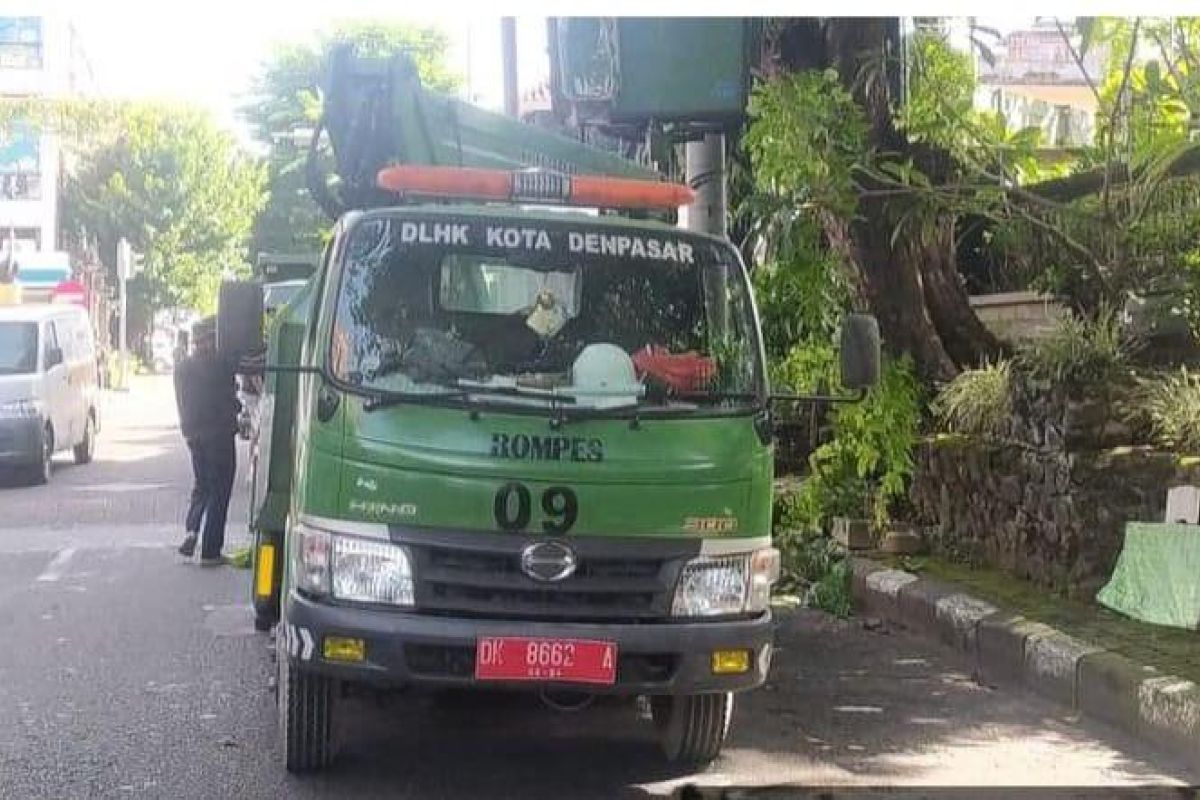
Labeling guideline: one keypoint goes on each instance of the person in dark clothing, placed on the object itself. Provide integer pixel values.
(206, 396)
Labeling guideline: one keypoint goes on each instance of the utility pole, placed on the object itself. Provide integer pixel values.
(706, 175)
(508, 54)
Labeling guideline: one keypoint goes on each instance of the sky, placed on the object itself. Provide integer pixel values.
(207, 52)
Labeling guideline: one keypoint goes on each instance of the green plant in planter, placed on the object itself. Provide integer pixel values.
(978, 402)
(1080, 351)
(1171, 405)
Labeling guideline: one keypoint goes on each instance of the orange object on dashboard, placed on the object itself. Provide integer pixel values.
(532, 185)
(682, 372)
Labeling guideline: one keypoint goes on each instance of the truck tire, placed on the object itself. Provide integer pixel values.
(692, 728)
(40, 473)
(306, 702)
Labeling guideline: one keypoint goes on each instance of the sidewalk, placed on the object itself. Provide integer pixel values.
(1010, 649)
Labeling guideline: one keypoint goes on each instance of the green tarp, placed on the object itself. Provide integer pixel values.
(1157, 578)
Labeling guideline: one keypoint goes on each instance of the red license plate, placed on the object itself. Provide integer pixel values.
(499, 658)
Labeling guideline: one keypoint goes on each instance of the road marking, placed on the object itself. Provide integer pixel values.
(858, 709)
(54, 570)
(114, 488)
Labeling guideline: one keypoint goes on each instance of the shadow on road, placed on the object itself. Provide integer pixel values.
(844, 706)
(476, 744)
(886, 705)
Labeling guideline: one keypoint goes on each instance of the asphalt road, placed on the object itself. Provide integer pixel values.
(127, 672)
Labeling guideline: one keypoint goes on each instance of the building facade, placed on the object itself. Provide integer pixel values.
(1035, 81)
(41, 56)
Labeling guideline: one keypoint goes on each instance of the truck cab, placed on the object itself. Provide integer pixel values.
(527, 450)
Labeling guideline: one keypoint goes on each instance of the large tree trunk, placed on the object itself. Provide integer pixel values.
(911, 281)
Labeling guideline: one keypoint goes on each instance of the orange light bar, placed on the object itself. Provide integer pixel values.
(533, 186)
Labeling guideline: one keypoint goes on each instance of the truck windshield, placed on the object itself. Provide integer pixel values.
(544, 313)
(18, 348)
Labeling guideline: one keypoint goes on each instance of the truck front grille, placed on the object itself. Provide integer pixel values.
(480, 576)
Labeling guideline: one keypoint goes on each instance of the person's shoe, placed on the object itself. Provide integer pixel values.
(188, 548)
(213, 561)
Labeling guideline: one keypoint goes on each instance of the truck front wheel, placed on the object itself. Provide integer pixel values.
(692, 728)
(306, 702)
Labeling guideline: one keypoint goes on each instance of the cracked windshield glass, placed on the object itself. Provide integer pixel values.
(599, 317)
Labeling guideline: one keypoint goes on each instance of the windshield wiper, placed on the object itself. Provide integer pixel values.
(377, 399)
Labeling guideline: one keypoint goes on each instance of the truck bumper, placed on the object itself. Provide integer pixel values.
(415, 649)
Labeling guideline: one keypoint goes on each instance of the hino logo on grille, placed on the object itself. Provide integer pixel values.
(548, 562)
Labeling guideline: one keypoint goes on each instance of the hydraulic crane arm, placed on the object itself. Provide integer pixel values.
(377, 114)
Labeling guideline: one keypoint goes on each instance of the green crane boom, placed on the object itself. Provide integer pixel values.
(377, 113)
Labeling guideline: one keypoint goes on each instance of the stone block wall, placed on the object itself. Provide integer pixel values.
(1046, 514)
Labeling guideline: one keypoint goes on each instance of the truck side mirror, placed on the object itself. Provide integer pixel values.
(240, 318)
(860, 351)
(54, 357)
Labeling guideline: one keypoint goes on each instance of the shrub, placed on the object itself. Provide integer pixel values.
(1191, 290)
(1079, 351)
(816, 570)
(1171, 405)
(867, 464)
(978, 402)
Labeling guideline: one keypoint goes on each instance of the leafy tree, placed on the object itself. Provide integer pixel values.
(178, 189)
(286, 98)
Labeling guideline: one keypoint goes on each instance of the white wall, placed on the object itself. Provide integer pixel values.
(53, 79)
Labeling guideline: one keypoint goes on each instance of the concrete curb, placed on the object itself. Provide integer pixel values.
(1006, 649)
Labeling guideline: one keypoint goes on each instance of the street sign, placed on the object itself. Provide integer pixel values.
(129, 261)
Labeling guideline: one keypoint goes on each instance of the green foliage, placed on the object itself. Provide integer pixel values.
(807, 368)
(285, 97)
(806, 136)
(1163, 86)
(879, 433)
(866, 466)
(817, 570)
(1079, 351)
(178, 188)
(801, 291)
(977, 402)
(941, 92)
(814, 566)
(940, 110)
(1171, 403)
(860, 473)
(1191, 289)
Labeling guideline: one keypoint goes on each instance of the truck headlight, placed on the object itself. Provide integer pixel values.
(350, 567)
(371, 572)
(20, 409)
(713, 586)
(310, 558)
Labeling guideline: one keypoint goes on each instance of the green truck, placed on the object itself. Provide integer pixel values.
(517, 432)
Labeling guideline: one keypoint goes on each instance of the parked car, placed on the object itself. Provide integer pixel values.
(48, 387)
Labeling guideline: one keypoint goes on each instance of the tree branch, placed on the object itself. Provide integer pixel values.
(1083, 184)
(1166, 57)
(1110, 150)
(1078, 58)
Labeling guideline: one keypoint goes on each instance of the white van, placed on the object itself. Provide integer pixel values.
(48, 387)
